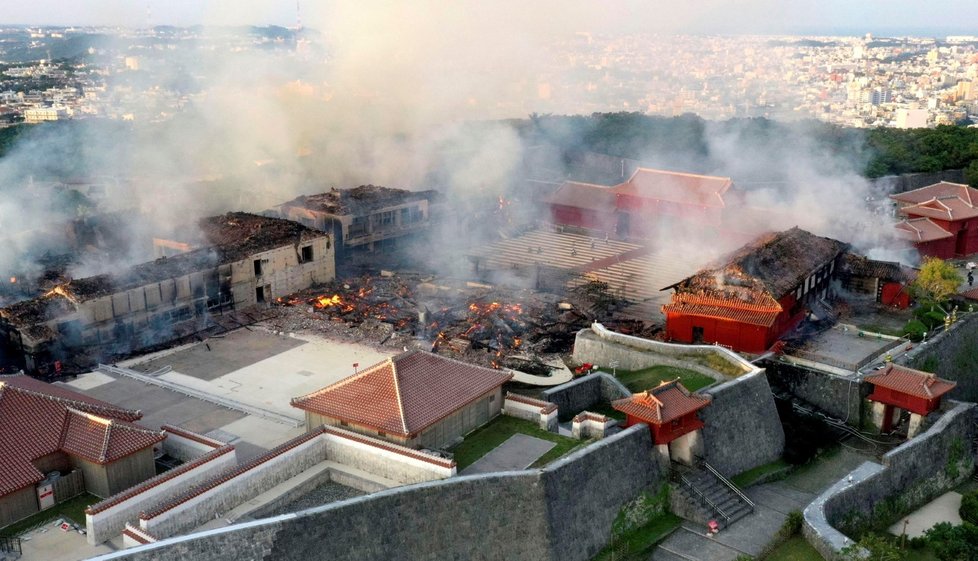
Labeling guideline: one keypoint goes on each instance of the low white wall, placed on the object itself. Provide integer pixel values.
(385, 459)
(107, 519)
(186, 445)
(228, 490)
(543, 413)
(591, 425)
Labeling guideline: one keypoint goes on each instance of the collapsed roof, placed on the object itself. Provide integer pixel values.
(365, 198)
(765, 270)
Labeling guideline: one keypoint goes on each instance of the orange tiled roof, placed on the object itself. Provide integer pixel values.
(911, 382)
(938, 190)
(404, 394)
(943, 208)
(677, 187)
(668, 401)
(722, 308)
(39, 419)
(921, 230)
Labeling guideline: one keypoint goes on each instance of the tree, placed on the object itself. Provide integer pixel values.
(936, 281)
(872, 548)
(971, 173)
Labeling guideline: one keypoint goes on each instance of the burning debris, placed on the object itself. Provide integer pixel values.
(479, 323)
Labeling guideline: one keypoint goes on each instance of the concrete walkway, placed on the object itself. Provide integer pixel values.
(942, 509)
(747, 536)
(518, 452)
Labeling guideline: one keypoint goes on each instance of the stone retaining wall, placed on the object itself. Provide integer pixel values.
(742, 429)
(584, 393)
(909, 475)
(563, 512)
(841, 397)
(950, 355)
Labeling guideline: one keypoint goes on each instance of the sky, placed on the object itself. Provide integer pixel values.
(828, 17)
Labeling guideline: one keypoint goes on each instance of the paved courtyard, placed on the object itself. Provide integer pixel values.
(50, 543)
(942, 509)
(251, 366)
(517, 452)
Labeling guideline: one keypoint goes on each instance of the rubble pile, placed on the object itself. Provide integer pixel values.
(478, 323)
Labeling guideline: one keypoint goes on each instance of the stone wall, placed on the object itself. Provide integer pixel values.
(541, 413)
(909, 476)
(584, 393)
(560, 513)
(390, 461)
(951, 355)
(185, 445)
(841, 397)
(910, 181)
(742, 429)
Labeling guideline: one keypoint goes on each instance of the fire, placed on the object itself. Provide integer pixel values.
(61, 290)
(327, 301)
(13, 280)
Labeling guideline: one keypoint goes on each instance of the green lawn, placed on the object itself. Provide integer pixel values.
(748, 478)
(480, 441)
(794, 549)
(72, 508)
(637, 544)
(641, 380)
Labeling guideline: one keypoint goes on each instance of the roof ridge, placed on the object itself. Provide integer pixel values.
(105, 442)
(670, 172)
(397, 394)
(80, 405)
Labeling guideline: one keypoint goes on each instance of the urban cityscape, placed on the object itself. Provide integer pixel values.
(561, 281)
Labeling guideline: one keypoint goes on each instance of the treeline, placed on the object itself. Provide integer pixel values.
(691, 141)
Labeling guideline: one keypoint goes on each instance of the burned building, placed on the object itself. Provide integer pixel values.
(240, 260)
(886, 282)
(757, 294)
(365, 218)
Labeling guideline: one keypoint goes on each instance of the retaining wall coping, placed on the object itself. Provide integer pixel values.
(140, 488)
(574, 456)
(207, 441)
(814, 513)
(589, 416)
(651, 344)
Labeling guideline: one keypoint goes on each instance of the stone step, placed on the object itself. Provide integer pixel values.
(695, 546)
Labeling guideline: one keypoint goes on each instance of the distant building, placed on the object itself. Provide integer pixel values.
(241, 260)
(56, 443)
(36, 115)
(364, 218)
(911, 118)
(941, 219)
(756, 295)
(415, 399)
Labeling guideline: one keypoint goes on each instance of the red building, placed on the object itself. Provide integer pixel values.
(898, 387)
(651, 200)
(756, 294)
(887, 282)
(952, 208)
(669, 410)
(584, 205)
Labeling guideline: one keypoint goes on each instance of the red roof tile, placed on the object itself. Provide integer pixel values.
(41, 419)
(921, 230)
(584, 195)
(911, 382)
(668, 401)
(404, 394)
(942, 208)
(677, 187)
(722, 308)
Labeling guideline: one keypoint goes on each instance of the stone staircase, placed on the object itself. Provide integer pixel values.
(709, 496)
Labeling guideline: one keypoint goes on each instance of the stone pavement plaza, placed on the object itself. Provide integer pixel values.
(942, 509)
(255, 367)
(517, 452)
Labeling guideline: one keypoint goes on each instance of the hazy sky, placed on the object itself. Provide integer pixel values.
(933, 17)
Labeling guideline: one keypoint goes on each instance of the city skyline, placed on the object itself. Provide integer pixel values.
(832, 18)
